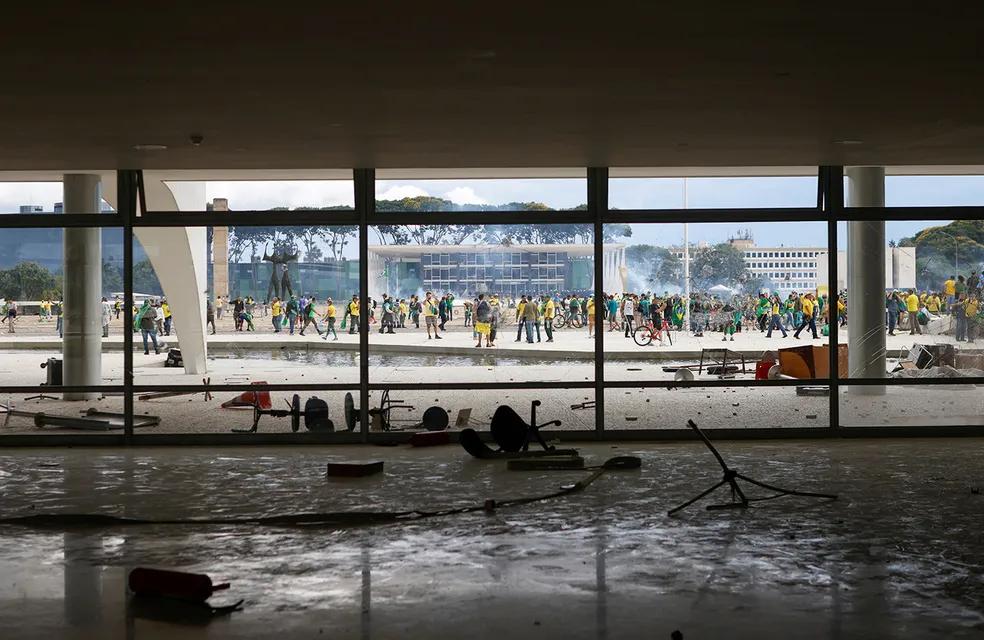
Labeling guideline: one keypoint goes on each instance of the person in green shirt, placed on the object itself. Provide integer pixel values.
(292, 311)
(960, 287)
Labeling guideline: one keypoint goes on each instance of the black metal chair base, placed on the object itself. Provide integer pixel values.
(738, 498)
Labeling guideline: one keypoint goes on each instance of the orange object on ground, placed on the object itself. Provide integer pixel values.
(248, 399)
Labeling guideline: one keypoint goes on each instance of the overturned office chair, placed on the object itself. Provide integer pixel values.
(512, 433)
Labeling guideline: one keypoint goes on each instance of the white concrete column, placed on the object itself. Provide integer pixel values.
(866, 280)
(82, 289)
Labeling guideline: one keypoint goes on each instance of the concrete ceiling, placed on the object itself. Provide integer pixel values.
(503, 84)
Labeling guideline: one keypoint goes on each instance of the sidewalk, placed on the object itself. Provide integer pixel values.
(568, 343)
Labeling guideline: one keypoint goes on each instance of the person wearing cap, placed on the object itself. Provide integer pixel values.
(892, 311)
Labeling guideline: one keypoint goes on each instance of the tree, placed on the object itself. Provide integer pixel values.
(145, 279)
(939, 248)
(391, 234)
(309, 237)
(242, 239)
(313, 254)
(612, 232)
(28, 281)
(653, 267)
(718, 264)
(337, 238)
(112, 277)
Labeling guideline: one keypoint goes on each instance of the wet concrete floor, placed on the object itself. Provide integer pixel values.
(899, 555)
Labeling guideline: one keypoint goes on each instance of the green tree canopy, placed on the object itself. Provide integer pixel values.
(28, 281)
(658, 268)
(718, 264)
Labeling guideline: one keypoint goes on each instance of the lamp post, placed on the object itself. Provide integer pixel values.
(956, 249)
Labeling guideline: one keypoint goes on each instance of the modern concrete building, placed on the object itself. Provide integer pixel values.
(506, 269)
(804, 268)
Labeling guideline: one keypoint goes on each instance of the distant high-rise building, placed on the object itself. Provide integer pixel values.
(31, 208)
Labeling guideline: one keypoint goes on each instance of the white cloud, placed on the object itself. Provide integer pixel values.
(265, 194)
(465, 195)
(399, 192)
(15, 194)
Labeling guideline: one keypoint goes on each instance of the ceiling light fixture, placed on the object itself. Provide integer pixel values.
(149, 147)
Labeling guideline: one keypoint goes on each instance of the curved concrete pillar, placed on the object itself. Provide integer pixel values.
(180, 258)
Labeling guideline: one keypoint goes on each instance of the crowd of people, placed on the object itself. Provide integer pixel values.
(536, 316)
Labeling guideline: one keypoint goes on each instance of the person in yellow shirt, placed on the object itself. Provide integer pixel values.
(971, 308)
(353, 311)
(548, 316)
(330, 313)
(912, 309)
(430, 315)
(166, 310)
(404, 309)
(933, 303)
(950, 290)
(807, 305)
(589, 309)
(520, 308)
(277, 310)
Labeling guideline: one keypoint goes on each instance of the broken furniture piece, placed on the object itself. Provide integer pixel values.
(513, 435)
(809, 362)
(738, 498)
(157, 395)
(91, 420)
(434, 419)
(720, 362)
(315, 414)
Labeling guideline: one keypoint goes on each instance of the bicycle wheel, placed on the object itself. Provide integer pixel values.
(559, 321)
(643, 336)
(575, 322)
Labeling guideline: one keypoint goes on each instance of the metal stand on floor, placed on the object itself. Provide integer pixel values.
(738, 498)
(40, 397)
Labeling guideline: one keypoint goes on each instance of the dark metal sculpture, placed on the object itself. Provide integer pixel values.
(279, 286)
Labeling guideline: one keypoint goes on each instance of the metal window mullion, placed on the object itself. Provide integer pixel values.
(127, 181)
(365, 201)
(911, 213)
(832, 184)
(597, 206)
(552, 216)
(60, 220)
(248, 219)
(630, 216)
